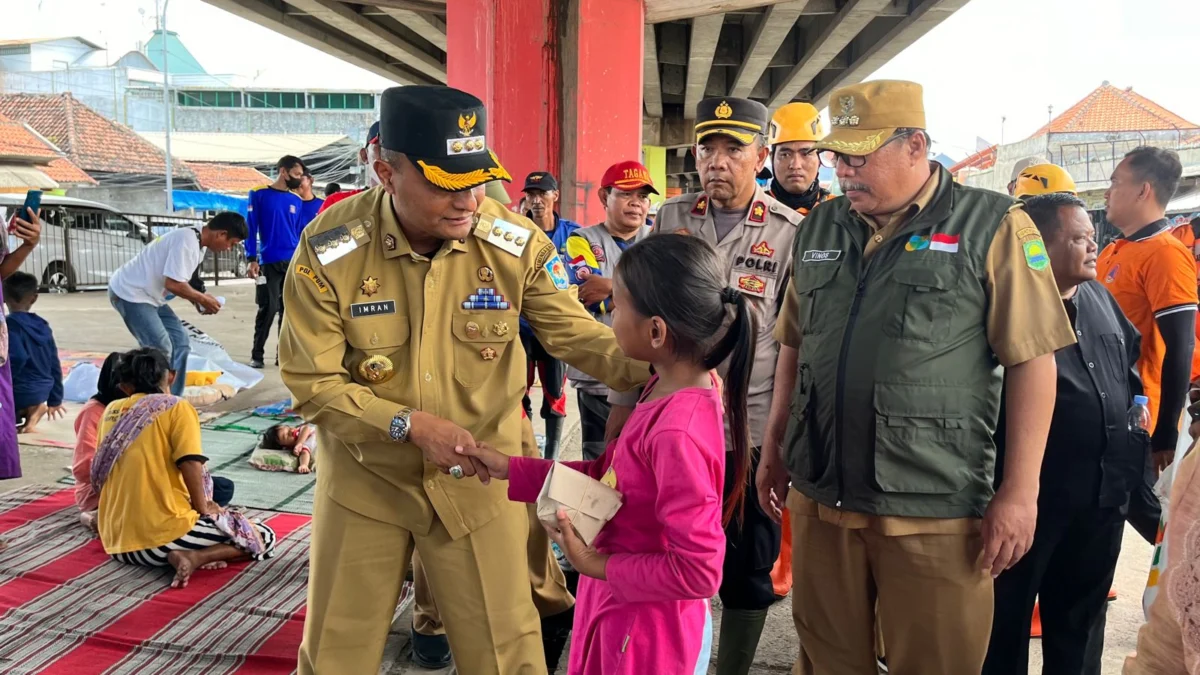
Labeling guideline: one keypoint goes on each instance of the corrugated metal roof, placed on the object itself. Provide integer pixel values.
(241, 148)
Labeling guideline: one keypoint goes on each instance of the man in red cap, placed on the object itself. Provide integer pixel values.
(591, 256)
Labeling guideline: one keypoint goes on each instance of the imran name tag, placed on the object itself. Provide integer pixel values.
(361, 309)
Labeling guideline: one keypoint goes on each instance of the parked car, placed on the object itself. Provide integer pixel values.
(101, 240)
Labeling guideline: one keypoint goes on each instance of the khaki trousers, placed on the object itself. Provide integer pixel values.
(549, 586)
(357, 566)
(932, 602)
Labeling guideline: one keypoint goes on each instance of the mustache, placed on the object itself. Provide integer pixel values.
(855, 187)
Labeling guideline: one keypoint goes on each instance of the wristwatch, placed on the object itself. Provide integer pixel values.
(400, 425)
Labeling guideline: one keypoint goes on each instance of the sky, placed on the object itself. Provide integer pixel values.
(993, 58)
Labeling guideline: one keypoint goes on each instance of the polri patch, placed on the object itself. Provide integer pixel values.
(820, 256)
(361, 309)
(1035, 254)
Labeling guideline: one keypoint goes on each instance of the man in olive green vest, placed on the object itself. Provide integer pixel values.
(908, 302)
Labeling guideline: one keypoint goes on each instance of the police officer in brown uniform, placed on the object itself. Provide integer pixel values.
(908, 302)
(401, 349)
(752, 232)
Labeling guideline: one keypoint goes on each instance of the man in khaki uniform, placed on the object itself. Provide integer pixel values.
(401, 349)
(908, 302)
(753, 233)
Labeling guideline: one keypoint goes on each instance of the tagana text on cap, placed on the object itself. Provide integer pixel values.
(443, 131)
(863, 116)
(628, 176)
(738, 118)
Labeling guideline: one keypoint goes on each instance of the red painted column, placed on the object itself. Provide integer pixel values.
(602, 98)
(504, 52)
(562, 81)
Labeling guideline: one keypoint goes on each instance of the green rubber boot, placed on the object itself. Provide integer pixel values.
(740, 631)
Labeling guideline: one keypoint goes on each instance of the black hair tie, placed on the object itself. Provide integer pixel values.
(729, 295)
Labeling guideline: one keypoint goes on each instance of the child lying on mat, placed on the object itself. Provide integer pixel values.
(301, 440)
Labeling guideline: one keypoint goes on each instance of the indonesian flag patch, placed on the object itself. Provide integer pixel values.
(947, 243)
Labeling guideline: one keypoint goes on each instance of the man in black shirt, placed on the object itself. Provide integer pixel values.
(1091, 464)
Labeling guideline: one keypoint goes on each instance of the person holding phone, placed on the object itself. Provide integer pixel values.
(28, 233)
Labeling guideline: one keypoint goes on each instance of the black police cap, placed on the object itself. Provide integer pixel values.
(738, 118)
(443, 131)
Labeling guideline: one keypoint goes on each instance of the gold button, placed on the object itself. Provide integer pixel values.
(428, 377)
(878, 239)
(432, 485)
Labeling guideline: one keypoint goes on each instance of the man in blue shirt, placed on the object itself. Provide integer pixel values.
(311, 203)
(541, 195)
(274, 219)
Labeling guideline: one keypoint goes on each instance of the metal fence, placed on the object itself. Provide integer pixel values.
(82, 247)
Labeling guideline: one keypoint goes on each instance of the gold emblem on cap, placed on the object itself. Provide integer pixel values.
(847, 104)
(376, 369)
(486, 274)
(472, 329)
(487, 353)
(723, 111)
(457, 146)
(500, 328)
(370, 286)
(466, 124)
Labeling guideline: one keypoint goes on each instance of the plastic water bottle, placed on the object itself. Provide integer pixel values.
(1138, 417)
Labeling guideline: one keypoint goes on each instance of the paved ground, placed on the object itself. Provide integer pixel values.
(86, 321)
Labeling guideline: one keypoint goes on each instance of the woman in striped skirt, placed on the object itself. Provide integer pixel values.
(156, 506)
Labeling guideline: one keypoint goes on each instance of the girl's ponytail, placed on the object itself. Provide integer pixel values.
(738, 345)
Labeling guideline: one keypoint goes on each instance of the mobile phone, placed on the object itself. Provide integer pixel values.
(33, 200)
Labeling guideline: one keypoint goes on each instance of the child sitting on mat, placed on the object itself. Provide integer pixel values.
(301, 440)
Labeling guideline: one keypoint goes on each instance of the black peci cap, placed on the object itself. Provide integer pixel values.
(738, 118)
(443, 131)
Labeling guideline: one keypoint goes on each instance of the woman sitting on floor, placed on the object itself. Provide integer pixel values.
(156, 506)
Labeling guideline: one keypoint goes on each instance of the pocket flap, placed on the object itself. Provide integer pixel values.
(814, 275)
(377, 334)
(901, 401)
(942, 277)
(486, 326)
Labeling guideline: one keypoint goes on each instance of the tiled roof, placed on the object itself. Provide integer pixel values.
(93, 142)
(226, 177)
(984, 159)
(16, 140)
(1111, 109)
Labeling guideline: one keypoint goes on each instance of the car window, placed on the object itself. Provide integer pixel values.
(117, 224)
(87, 220)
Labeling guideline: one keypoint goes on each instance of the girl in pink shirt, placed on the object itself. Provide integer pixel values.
(86, 425)
(646, 581)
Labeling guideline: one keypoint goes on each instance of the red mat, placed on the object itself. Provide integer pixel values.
(65, 607)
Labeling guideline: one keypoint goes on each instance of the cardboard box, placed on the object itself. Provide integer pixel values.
(588, 502)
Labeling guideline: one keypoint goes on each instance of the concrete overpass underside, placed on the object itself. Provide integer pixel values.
(684, 50)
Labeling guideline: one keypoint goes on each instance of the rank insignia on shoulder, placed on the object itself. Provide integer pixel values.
(502, 234)
(701, 206)
(333, 244)
(758, 213)
(558, 272)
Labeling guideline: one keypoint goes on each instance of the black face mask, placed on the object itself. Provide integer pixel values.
(293, 183)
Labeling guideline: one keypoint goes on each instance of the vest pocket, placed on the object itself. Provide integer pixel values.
(800, 457)
(920, 440)
(814, 315)
(480, 340)
(929, 301)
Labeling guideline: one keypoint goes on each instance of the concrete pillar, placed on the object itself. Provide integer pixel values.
(562, 81)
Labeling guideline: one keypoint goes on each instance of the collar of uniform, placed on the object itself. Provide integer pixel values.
(1157, 227)
(760, 199)
(389, 226)
(919, 202)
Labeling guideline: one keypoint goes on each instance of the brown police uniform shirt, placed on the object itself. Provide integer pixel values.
(757, 258)
(1016, 328)
(356, 289)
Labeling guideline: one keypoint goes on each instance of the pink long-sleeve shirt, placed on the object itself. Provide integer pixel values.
(86, 425)
(666, 543)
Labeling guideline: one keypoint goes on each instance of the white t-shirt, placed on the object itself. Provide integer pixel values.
(174, 255)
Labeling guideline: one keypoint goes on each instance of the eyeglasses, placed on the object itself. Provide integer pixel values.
(830, 158)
